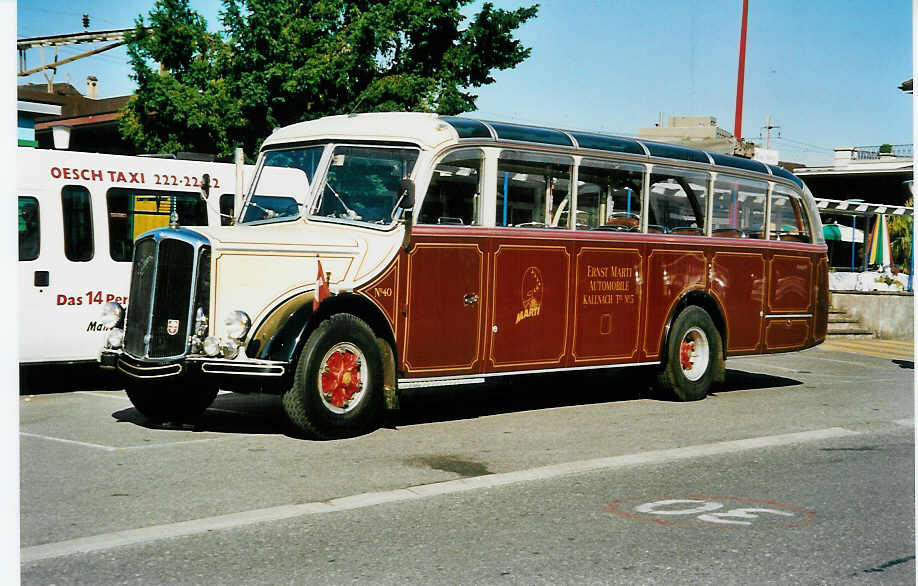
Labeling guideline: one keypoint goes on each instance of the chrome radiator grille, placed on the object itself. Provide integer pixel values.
(170, 278)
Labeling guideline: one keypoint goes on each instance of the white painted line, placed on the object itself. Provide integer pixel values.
(235, 520)
(67, 441)
(121, 397)
(905, 422)
(137, 447)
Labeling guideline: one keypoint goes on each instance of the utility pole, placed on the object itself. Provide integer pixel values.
(740, 76)
(56, 41)
(768, 128)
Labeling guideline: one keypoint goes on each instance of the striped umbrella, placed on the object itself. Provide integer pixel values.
(879, 252)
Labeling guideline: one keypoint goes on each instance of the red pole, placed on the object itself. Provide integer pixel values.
(738, 123)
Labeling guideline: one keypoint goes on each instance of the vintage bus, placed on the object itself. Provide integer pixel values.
(79, 214)
(455, 250)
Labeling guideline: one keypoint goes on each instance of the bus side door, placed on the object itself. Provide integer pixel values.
(444, 301)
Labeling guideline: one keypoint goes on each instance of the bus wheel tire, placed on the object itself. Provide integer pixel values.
(337, 387)
(171, 402)
(694, 356)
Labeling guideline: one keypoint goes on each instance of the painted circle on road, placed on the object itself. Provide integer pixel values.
(713, 512)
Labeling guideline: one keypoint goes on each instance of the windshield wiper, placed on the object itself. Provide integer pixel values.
(268, 213)
(350, 214)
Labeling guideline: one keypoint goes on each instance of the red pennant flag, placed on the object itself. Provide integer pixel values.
(321, 287)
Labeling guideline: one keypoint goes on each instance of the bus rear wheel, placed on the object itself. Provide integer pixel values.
(337, 387)
(694, 356)
(171, 402)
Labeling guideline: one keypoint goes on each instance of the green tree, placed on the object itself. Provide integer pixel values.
(277, 62)
(900, 238)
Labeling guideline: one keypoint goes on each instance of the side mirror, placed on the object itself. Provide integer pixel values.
(406, 194)
(406, 202)
(205, 185)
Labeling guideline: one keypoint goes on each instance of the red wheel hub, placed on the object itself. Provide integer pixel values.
(685, 354)
(341, 378)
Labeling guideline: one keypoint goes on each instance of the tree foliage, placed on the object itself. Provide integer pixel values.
(277, 62)
(900, 238)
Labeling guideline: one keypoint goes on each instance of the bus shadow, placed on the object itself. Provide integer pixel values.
(552, 390)
(264, 415)
(229, 413)
(741, 380)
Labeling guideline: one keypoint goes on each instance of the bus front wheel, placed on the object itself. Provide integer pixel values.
(694, 356)
(337, 387)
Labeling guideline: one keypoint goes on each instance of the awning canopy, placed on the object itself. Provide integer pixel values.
(842, 233)
(856, 208)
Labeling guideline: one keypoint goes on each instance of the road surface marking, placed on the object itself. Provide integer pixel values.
(892, 349)
(698, 511)
(242, 519)
(67, 441)
(108, 448)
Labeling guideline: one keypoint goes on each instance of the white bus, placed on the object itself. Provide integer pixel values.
(79, 214)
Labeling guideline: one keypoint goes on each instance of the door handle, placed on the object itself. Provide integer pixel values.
(470, 299)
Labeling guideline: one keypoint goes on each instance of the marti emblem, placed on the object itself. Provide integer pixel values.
(531, 294)
(172, 327)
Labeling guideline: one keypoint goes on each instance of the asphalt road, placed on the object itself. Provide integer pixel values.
(800, 472)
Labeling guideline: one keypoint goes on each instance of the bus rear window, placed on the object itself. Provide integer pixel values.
(29, 230)
(131, 212)
(788, 216)
(77, 210)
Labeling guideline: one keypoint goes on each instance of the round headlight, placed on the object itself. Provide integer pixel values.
(237, 324)
(229, 349)
(115, 338)
(211, 346)
(111, 314)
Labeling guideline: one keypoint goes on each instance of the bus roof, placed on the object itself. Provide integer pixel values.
(432, 130)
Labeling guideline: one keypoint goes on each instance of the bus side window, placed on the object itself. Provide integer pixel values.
(609, 196)
(227, 209)
(677, 201)
(29, 228)
(532, 189)
(77, 211)
(131, 212)
(788, 216)
(738, 207)
(453, 195)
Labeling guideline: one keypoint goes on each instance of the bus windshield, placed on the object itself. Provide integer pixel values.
(283, 184)
(362, 183)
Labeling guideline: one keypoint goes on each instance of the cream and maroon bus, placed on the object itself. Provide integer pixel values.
(456, 249)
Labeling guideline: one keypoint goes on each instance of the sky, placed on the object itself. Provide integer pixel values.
(826, 71)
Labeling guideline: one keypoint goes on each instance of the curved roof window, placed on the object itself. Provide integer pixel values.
(782, 172)
(607, 143)
(738, 163)
(466, 127)
(530, 134)
(671, 151)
